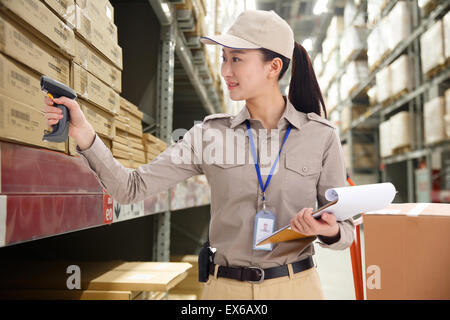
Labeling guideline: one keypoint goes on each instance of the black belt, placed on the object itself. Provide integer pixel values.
(258, 275)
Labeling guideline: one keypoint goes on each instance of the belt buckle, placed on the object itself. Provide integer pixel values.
(261, 272)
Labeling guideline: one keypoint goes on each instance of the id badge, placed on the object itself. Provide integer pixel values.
(264, 226)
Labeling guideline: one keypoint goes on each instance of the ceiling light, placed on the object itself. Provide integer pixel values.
(320, 7)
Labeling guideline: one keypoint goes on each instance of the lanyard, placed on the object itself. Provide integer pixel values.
(255, 157)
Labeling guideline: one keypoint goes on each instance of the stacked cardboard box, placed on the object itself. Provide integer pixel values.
(95, 24)
(96, 67)
(384, 88)
(33, 42)
(432, 49)
(356, 72)
(434, 125)
(446, 21)
(153, 146)
(349, 114)
(447, 112)
(400, 132)
(102, 122)
(363, 155)
(395, 134)
(110, 280)
(334, 32)
(402, 75)
(395, 80)
(190, 286)
(127, 146)
(37, 38)
(38, 18)
(385, 139)
(353, 40)
(65, 9)
(378, 45)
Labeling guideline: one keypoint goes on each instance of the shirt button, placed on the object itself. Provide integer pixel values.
(304, 169)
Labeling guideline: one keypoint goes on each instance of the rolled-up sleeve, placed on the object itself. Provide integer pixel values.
(334, 175)
(177, 163)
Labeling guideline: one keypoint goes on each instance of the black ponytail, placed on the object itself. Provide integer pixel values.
(304, 90)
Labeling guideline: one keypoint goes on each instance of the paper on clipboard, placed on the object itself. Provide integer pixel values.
(345, 202)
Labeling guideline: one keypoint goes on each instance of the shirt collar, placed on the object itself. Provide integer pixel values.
(290, 114)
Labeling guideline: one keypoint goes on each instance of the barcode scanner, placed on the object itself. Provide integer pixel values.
(55, 89)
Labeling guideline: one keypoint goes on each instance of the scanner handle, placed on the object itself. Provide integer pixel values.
(60, 130)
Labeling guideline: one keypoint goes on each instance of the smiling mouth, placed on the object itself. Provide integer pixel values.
(232, 85)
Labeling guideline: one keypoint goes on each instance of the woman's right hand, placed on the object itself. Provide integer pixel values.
(79, 128)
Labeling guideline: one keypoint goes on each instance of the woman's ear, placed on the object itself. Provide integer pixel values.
(275, 68)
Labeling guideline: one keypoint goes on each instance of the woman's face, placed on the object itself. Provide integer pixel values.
(245, 73)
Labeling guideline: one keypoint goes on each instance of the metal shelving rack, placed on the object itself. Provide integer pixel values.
(45, 193)
(414, 100)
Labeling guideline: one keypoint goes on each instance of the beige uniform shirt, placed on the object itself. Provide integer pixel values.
(311, 161)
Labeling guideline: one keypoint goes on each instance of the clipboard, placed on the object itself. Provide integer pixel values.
(345, 202)
(287, 234)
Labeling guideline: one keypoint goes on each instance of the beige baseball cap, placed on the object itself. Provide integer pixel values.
(255, 29)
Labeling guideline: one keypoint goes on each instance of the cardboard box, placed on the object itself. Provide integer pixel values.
(94, 90)
(128, 131)
(400, 135)
(402, 75)
(98, 9)
(20, 83)
(131, 108)
(138, 155)
(121, 139)
(446, 22)
(119, 153)
(44, 21)
(127, 135)
(384, 84)
(138, 146)
(23, 124)
(99, 36)
(65, 9)
(101, 121)
(363, 155)
(406, 252)
(101, 276)
(432, 47)
(385, 139)
(349, 114)
(26, 48)
(94, 62)
(121, 146)
(434, 126)
(150, 141)
(447, 101)
(32, 294)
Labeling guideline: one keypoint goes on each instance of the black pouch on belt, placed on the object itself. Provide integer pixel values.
(205, 258)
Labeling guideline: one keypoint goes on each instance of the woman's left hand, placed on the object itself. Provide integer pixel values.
(306, 224)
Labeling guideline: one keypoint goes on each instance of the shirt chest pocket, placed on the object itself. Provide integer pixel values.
(301, 176)
(225, 180)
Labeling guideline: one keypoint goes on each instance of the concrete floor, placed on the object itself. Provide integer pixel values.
(335, 271)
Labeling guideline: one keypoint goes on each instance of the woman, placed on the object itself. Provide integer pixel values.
(252, 193)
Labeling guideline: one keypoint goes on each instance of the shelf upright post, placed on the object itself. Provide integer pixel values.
(166, 64)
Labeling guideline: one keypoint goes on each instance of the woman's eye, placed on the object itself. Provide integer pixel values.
(235, 59)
